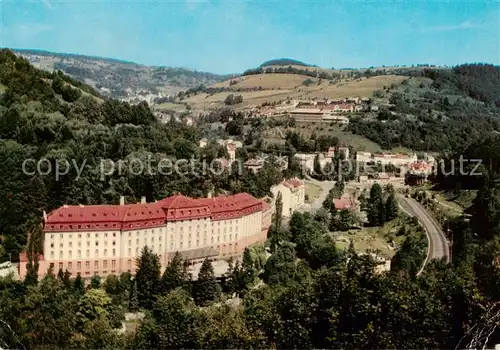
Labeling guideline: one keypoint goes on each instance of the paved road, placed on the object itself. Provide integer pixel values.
(438, 244)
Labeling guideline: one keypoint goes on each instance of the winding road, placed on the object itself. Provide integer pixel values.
(438, 246)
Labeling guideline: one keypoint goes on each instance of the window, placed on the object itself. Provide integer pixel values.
(113, 264)
(88, 243)
(105, 264)
(88, 253)
(130, 234)
(160, 248)
(129, 251)
(60, 254)
(129, 242)
(87, 264)
(114, 251)
(180, 245)
(137, 241)
(70, 244)
(70, 266)
(114, 234)
(79, 235)
(114, 242)
(69, 254)
(97, 252)
(61, 245)
(197, 242)
(96, 243)
(105, 252)
(78, 265)
(79, 244)
(52, 245)
(52, 255)
(60, 266)
(96, 265)
(96, 235)
(106, 234)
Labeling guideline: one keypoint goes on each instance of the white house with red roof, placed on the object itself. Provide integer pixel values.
(107, 239)
(292, 193)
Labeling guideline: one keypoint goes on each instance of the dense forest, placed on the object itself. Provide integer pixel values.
(455, 109)
(49, 117)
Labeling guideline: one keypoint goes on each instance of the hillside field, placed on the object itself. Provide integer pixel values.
(275, 87)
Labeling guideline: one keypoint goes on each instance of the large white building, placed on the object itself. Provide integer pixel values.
(107, 239)
(293, 195)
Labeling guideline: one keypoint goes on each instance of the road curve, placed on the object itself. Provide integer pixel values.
(438, 247)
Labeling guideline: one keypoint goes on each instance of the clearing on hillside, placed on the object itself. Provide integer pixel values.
(361, 87)
(267, 81)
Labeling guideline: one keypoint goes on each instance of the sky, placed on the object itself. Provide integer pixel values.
(232, 36)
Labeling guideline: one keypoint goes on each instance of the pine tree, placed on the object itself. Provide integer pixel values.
(95, 282)
(148, 277)
(79, 285)
(60, 275)
(32, 254)
(206, 287)
(67, 279)
(248, 267)
(391, 207)
(278, 214)
(318, 171)
(376, 209)
(134, 298)
(175, 275)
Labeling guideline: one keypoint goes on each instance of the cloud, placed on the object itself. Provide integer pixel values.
(449, 28)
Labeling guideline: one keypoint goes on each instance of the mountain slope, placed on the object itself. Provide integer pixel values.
(117, 78)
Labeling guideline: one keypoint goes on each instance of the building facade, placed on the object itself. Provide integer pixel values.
(107, 239)
(293, 195)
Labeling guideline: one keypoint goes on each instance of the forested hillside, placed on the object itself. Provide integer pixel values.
(50, 116)
(437, 110)
(119, 78)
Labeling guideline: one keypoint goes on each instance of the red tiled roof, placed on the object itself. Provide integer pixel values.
(342, 203)
(132, 216)
(293, 183)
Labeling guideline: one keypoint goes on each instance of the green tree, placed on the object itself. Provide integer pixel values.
(79, 284)
(206, 288)
(376, 209)
(278, 214)
(147, 277)
(134, 298)
(391, 207)
(175, 275)
(95, 282)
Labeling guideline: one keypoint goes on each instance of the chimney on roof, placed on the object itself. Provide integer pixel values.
(143, 200)
(209, 194)
(65, 205)
(122, 200)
